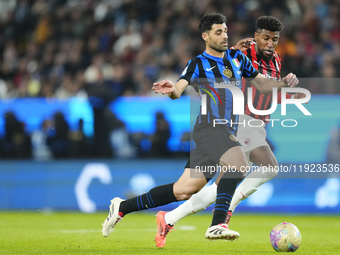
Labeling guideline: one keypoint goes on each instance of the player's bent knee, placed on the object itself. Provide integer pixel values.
(271, 174)
(271, 162)
(272, 169)
(183, 193)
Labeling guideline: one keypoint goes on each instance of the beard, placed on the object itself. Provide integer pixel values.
(266, 57)
(219, 49)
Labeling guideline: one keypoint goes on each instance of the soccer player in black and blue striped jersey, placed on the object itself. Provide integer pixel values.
(214, 143)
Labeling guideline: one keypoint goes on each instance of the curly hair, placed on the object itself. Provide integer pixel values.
(209, 19)
(269, 23)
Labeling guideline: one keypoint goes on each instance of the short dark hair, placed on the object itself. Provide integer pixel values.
(269, 23)
(209, 19)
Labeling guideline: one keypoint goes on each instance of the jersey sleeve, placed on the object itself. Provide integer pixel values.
(248, 70)
(190, 72)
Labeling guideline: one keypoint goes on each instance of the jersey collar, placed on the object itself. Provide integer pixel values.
(205, 54)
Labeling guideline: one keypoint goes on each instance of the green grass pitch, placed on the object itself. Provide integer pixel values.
(77, 233)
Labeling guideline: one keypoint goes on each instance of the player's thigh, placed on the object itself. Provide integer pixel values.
(251, 138)
(231, 162)
(263, 156)
(234, 158)
(194, 176)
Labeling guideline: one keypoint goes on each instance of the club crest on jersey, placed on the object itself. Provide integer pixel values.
(227, 73)
(233, 138)
(236, 62)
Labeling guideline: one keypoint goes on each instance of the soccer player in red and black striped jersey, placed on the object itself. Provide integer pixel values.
(266, 60)
(253, 139)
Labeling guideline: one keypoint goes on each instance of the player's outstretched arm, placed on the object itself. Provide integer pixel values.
(265, 86)
(174, 91)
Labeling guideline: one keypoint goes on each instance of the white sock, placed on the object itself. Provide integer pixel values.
(196, 203)
(249, 185)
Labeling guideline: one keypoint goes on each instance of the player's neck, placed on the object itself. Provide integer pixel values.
(214, 53)
(257, 49)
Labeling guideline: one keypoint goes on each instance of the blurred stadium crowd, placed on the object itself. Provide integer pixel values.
(104, 48)
(60, 48)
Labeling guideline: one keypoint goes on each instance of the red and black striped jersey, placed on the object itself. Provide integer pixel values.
(271, 69)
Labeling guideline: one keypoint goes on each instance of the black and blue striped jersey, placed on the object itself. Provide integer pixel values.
(205, 70)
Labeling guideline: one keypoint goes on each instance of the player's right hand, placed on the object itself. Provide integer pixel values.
(164, 87)
(291, 80)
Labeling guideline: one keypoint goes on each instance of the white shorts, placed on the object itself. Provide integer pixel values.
(251, 137)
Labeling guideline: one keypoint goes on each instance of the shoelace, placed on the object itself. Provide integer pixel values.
(223, 225)
(167, 229)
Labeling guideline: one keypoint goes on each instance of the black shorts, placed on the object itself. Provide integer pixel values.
(203, 168)
(211, 143)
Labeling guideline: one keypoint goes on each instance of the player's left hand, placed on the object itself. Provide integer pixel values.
(164, 87)
(291, 80)
(299, 95)
(244, 44)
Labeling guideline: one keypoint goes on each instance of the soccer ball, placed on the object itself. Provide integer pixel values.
(285, 237)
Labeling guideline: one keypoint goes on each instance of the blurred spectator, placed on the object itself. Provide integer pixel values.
(121, 144)
(71, 87)
(101, 95)
(16, 144)
(79, 143)
(43, 29)
(59, 141)
(160, 138)
(39, 142)
(131, 39)
(333, 150)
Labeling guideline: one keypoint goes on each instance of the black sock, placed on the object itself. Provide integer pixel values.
(225, 191)
(157, 196)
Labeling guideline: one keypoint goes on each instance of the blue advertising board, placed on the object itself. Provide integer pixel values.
(89, 186)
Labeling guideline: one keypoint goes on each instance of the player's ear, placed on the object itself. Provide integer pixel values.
(256, 36)
(205, 36)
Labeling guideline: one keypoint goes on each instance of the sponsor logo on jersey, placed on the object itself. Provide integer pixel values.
(209, 69)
